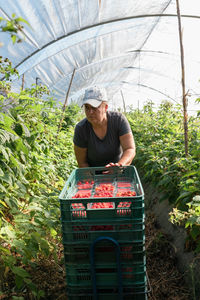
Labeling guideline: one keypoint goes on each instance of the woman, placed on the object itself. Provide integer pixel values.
(103, 138)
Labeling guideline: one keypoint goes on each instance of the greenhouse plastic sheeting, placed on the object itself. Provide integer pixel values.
(130, 47)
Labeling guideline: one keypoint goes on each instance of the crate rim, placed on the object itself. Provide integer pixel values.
(63, 192)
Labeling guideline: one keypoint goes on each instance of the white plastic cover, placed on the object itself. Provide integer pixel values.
(131, 47)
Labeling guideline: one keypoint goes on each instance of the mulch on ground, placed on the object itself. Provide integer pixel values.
(166, 281)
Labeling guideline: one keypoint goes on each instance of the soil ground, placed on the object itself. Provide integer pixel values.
(166, 281)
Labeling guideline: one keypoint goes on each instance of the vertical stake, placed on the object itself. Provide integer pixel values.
(22, 82)
(36, 82)
(184, 99)
(123, 101)
(65, 104)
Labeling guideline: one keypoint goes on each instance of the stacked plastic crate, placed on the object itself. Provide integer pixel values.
(103, 231)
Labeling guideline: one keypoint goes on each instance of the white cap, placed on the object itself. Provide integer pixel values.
(94, 96)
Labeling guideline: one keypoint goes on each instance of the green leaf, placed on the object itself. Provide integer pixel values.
(8, 230)
(36, 236)
(195, 232)
(2, 188)
(6, 120)
(34, 208)
(165, 181)
(190, 181)
(26, 131)
(190, 222)
(33, 288)
(1, 172)
(20, 272)
(19, 244)
(22, 187)
(191, 173)
(53, 232)
(14, 38)
(8, 178)
(14, 161)
(4, 153)
(12, 202)
(19, 281)
(7, 135)
(21, 147)
(183, 195)
(44, 246)
(3, 203)
(20, 19)
(4, 250)
(8, 260)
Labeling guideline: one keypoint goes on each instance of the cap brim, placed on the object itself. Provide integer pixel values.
(92, 102)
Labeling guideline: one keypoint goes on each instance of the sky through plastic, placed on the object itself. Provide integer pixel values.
(130, 47)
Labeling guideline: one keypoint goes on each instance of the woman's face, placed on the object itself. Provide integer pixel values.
(96, 115)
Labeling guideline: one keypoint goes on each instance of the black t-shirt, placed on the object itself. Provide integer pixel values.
(102, 151)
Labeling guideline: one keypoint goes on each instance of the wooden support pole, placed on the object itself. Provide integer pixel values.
(70, 84)
(36, 82)
(22, 82)
(184, 98)
(65, 103)
(123, 101)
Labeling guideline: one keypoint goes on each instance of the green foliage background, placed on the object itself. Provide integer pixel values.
(35, 162)
(161, 159)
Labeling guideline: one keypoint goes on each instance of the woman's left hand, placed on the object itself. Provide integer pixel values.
(113, 165)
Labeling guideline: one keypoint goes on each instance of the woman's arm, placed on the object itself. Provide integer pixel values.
(81, 156)
(128, 146)
(129, 150)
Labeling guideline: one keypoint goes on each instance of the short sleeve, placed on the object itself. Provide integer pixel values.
(79, 138)
(124, 126)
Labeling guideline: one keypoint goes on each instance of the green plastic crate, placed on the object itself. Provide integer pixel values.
(124, 220)
(105, 253)
(106, 274)
(133, 212)
(89, 231)
(133, 293)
